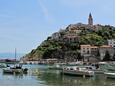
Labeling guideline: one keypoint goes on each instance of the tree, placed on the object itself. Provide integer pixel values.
(92, 39)
(113, 58)
(98, 54)
(107, 56)
(79, 57)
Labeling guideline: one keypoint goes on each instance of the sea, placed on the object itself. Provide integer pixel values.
(41, 75)
(11, 55)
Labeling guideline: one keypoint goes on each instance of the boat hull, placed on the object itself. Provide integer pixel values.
(14, 71)
(78, 73)
(110, 75)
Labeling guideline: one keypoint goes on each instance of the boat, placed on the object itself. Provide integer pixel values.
(109, 75)
(15, 70)
(78, 71)
(102, 67)
(3, 65)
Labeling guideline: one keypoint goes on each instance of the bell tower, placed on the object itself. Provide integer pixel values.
(90, 20)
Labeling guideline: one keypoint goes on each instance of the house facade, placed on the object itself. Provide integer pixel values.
(92, 51)
(104, 48)
(85, 50)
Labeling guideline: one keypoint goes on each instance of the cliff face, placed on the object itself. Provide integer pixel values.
(65, 44)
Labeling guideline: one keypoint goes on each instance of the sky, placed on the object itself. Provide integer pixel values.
(24, 24)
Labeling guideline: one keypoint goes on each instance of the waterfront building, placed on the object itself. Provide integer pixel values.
(94, 50)
(91, 51)
(104, 48)
(85, 50)
(88, 50)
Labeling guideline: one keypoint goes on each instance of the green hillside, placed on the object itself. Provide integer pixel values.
(65, 44)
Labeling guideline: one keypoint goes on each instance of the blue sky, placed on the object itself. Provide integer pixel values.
(24, 24)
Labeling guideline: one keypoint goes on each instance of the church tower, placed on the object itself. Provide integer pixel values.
(90, 20)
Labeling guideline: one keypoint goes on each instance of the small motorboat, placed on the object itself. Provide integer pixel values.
(109, 75)
(78, 71)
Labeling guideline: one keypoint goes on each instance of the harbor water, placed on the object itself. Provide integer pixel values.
(40, 75)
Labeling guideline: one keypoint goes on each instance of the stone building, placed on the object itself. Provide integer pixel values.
(88, 50)
(91, 51)
(104, 48)
(70, 37)
(85, 50)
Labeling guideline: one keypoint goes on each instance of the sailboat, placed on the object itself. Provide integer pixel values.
(16, 69)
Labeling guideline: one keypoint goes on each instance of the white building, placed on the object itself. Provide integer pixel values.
(85, 50)
(88, 50)
(111, 43)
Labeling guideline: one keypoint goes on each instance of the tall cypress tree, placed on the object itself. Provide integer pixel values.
(107, 56)
(113, 58)
(98, 55)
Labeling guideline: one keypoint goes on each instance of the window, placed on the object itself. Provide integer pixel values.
(88, 52)
(83, 50)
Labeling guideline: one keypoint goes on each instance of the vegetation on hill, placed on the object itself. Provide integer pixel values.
(70, 50)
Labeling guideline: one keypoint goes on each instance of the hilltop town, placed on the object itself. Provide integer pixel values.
(87, 42)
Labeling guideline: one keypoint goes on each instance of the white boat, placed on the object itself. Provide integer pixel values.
(78, 71)
(109, 75)
(103, 67)
(3, 65)
(98, 71)
(15, 70)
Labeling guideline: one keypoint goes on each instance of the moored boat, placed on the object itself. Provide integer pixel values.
(78, 71)
(109, 75)
(3, 65)
(15, 70)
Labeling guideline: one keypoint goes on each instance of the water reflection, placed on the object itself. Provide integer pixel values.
(52, 78)
(41, 76)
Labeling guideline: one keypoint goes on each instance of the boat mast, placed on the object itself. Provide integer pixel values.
(15, 54)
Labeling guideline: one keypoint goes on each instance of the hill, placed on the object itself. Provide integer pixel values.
(65, 44)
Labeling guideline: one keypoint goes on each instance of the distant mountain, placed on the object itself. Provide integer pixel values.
(10, 55)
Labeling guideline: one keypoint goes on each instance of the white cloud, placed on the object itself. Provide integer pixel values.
(46, 12)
